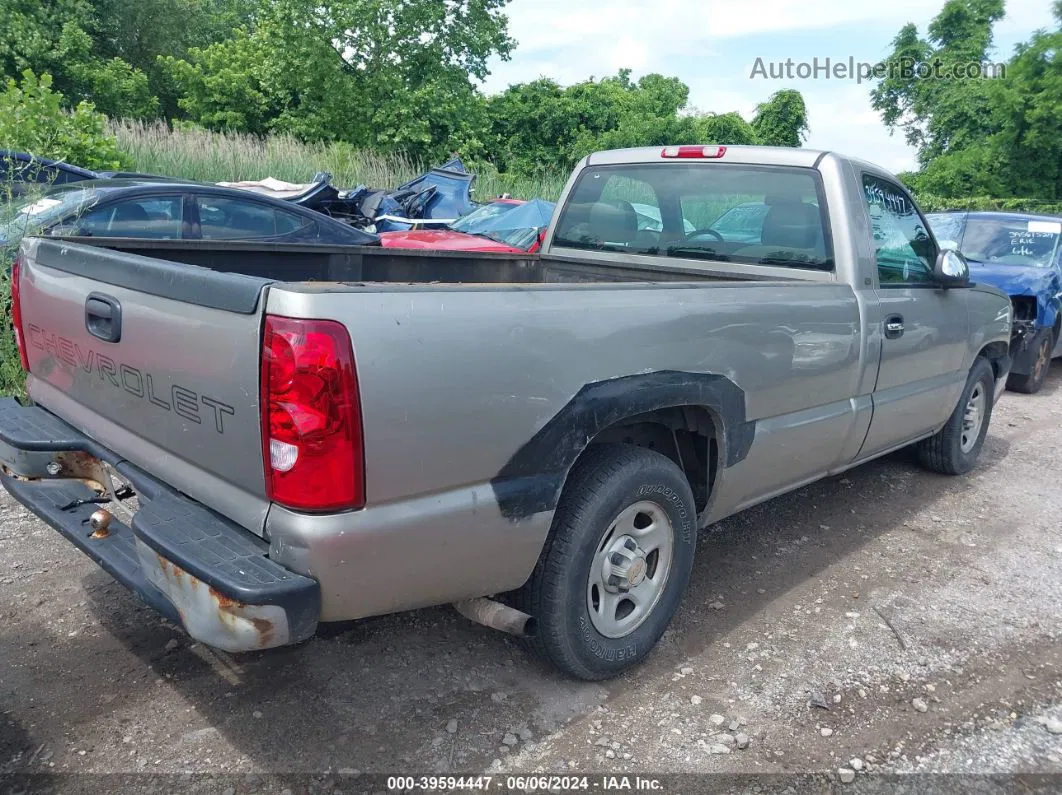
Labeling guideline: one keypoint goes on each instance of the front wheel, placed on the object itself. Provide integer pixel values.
(1031, 382)
(955, 448)
(616, 564)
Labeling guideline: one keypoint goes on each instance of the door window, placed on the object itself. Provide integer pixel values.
(904, 248)
(152, 217)
(226, 218)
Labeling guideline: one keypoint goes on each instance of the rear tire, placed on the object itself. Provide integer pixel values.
(955, 448)
(616, 564)
(1030, 383)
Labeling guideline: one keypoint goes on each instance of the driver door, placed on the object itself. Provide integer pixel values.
(924, 328)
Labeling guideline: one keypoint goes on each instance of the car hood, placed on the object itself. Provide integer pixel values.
(1012, 279)
(442, 240)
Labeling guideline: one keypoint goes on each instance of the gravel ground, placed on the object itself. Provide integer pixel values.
(889, 621)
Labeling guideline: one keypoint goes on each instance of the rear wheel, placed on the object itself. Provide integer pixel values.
(616, 564)
(1031, 382)
(955, 448)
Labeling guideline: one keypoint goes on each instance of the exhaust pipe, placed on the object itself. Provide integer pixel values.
(497, 616)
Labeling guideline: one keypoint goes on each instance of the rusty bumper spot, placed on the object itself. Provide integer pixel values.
(211, 616)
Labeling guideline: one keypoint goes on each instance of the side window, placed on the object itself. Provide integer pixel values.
(225, 218)
(905, 250)
(153, 217)
(289, 223)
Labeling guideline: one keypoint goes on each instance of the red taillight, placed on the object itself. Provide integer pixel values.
(16, 314)
(311, 416)
(694, 151)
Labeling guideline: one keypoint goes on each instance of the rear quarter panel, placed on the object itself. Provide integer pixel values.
(456, 380)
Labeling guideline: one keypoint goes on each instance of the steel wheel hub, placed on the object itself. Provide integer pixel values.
(630, 569)
(625, 567)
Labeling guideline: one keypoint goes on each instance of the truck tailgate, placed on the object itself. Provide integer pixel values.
(157, 361)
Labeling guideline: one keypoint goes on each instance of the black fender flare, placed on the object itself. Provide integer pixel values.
(531, 480)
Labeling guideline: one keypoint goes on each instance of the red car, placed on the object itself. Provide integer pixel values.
(503, 226)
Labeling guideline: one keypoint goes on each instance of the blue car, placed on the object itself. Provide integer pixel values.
(1021, 254)
(19, 170)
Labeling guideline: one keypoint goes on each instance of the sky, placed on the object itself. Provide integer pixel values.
(713, 47)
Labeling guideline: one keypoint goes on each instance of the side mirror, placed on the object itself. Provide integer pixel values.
(951, 269)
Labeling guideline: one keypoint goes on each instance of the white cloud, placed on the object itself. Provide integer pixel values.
(676, 26)
(686, 38)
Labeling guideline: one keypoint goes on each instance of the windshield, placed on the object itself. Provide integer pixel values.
(492, 221)
(35, 213)
(1002, 241)
(753, 215)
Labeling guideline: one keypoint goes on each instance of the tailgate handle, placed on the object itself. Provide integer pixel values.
(103, 317)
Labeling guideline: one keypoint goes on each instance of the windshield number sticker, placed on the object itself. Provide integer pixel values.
(1046, 228)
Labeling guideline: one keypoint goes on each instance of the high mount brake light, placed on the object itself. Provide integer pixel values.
(701, 152)
(311, 416)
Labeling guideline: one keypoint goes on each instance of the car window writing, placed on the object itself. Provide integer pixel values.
(904, 249)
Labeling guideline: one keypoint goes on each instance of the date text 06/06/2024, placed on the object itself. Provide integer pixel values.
(532, 783)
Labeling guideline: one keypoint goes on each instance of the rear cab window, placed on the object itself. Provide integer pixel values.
(771, 216)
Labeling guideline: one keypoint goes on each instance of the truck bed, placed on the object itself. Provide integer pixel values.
(373, 264)
(480, 378)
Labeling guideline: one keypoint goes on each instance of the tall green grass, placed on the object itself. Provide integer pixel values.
(207, 156)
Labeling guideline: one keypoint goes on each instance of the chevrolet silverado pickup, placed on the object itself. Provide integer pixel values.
(259, 438)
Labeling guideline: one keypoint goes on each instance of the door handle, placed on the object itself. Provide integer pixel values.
(103, 317)
(893, 327)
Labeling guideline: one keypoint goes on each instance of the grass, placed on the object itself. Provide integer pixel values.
(227, 157)
(216, 157)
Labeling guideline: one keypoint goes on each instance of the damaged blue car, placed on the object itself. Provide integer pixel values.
(1021, 254)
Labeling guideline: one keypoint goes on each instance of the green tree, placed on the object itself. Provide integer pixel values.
(56, 37)
(940, 115)
(32, 119)
(32, 32)
(1027, 147)
(782, 120)
(393, 74)
(726, 128)
(982, 137)
(221, 85)
(541, 126)
(140, 33)
(107, 51)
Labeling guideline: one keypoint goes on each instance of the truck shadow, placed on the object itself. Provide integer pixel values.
(381, 695)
